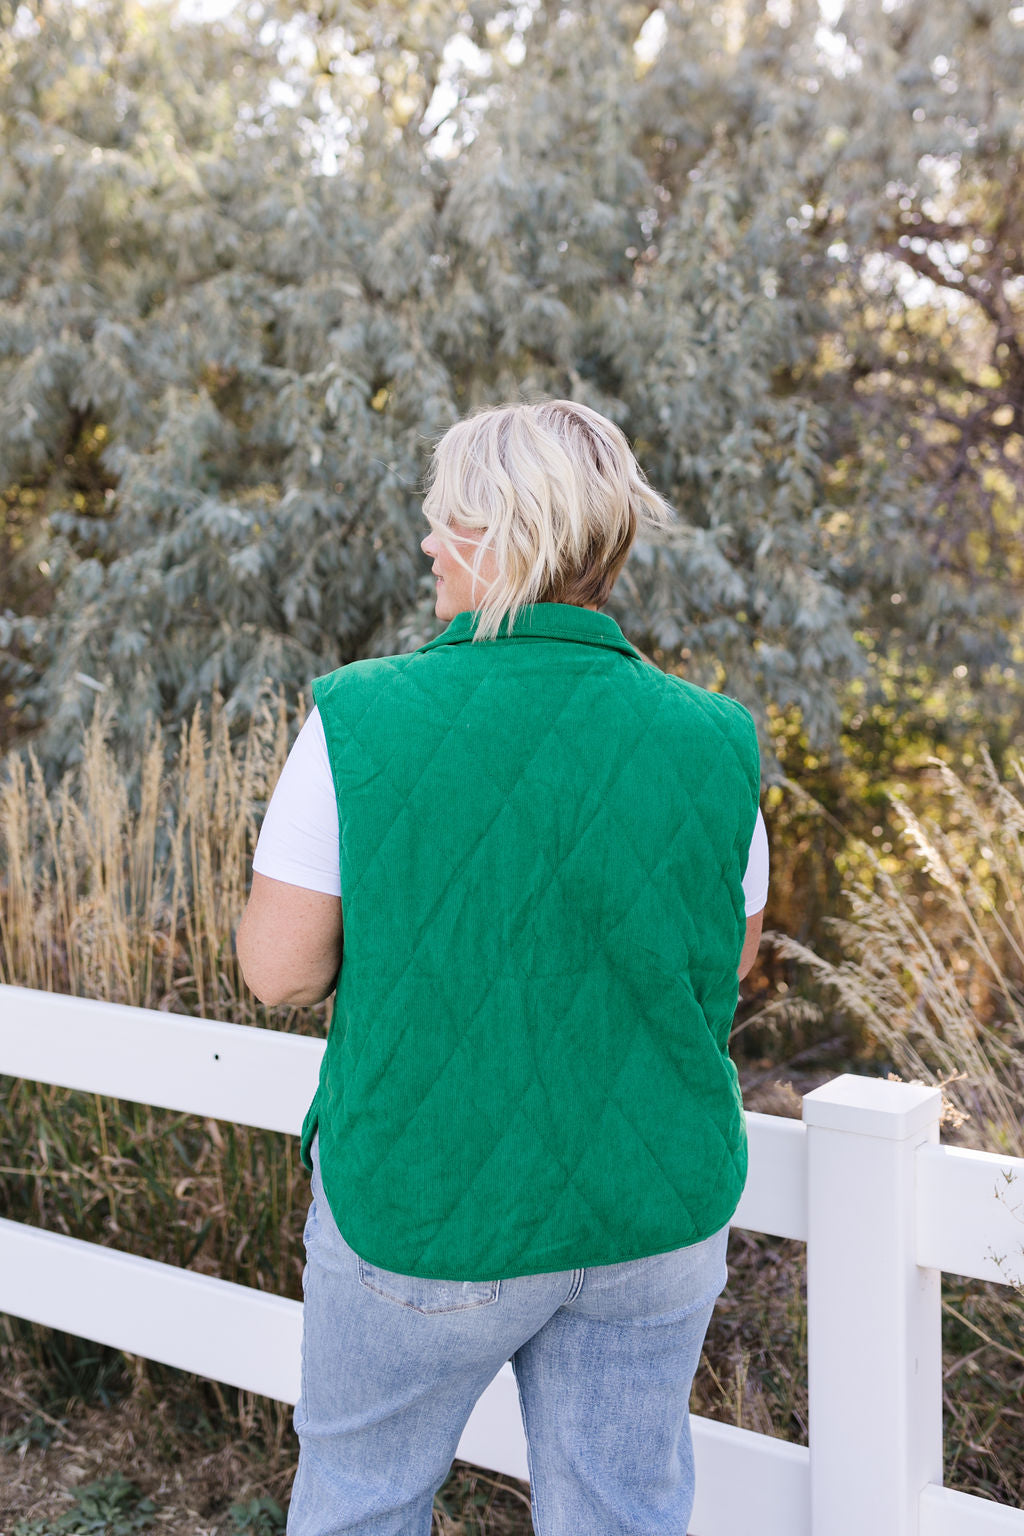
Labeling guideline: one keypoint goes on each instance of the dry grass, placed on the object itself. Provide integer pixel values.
(132, 894)
(936, 978)
(933, 975)
(129, 888)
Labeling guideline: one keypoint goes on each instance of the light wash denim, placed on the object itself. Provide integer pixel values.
(392, 1367)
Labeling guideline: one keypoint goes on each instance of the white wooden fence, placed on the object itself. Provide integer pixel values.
(882, 1207)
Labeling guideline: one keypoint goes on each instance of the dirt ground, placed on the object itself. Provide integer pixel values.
(192, 1487)
(193, 1481)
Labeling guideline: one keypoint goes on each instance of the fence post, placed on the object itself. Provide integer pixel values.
(873, 1316)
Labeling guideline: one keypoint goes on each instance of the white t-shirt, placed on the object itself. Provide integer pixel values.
(298, 842)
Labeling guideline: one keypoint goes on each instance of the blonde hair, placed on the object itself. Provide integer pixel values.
(558, 493)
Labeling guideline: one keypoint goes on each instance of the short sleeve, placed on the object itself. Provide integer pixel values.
(755, 880)
(298, 841)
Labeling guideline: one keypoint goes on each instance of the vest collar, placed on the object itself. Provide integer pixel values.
(543, 621)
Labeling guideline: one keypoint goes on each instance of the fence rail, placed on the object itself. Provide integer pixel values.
(862, 1180)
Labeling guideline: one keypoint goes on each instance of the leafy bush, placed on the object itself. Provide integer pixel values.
(253, 266)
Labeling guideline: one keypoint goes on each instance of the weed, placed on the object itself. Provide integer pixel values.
(38, 1433)
(111, 1507)
(259, 1517)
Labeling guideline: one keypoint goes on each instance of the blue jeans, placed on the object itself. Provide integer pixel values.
(392, 1367)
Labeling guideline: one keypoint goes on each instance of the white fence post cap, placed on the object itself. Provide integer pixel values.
(873, 1106)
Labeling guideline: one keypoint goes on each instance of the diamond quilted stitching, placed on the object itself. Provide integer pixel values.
(417, 673)
(425, 933)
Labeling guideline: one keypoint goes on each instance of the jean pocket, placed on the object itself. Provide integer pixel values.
(421, 1295)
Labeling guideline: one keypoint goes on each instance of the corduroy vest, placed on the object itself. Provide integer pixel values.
(542, 842)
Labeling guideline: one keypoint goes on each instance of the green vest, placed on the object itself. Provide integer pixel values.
(542, 840)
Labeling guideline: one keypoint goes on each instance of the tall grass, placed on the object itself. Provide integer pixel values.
(933, 974)
(933, 967)
(127, 886)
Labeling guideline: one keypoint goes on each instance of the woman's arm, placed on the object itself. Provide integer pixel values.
(289, 940)
(751, 944)
(289, 943)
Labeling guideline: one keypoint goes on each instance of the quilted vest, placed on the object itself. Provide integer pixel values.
(542, 840)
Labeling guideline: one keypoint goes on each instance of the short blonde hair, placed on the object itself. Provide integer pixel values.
(556, 488)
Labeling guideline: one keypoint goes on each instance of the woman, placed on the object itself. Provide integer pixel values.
(527, 1127)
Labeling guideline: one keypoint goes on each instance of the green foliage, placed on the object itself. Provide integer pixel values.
(37, 1432)
(259, 1517)
(111, 1507)
(251, 268)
